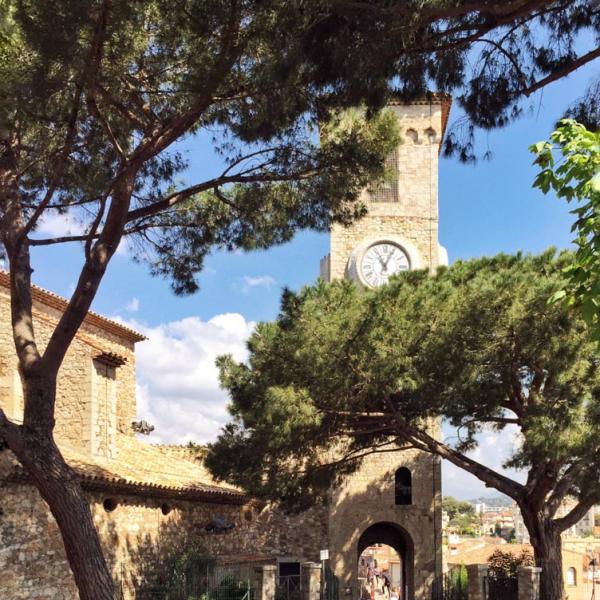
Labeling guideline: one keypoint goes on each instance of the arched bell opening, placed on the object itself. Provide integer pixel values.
(386, 540)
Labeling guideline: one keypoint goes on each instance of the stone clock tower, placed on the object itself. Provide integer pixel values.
(394, 498)
(401, 228)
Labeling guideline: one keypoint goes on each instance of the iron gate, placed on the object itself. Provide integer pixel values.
(214, 582)
(501, 588)
(454, 585)
(288, 588)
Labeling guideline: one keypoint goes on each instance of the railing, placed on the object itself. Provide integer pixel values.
(207, 582)
(454, 585)
(288, 587)
(501, 588)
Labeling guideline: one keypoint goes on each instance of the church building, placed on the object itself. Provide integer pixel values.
(146, 499)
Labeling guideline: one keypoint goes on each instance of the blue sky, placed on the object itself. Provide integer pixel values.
(484, 209)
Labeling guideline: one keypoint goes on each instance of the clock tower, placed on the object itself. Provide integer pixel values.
(400, 230)
(394, 498)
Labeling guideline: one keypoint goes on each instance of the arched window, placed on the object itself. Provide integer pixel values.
(431, 135)
(403, 486)
(412, 135)
(571, 576)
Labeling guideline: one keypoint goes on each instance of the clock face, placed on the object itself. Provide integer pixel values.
(381, 261)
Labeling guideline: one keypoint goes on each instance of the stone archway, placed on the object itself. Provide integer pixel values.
(395, 536)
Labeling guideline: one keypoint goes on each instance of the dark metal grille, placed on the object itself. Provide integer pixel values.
(288, 587)
(502, 588)
(454, 585)
(388, 190)
(220, 582)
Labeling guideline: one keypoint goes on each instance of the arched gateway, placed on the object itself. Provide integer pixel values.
(363, 512)
(397, 538)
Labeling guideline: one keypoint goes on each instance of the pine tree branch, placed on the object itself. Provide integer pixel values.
(490, 477)
(577, 513)
(560, 73)
(11, 433)
(562, 487)
(89, 72)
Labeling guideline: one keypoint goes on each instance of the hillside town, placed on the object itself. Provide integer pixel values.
(492, 526)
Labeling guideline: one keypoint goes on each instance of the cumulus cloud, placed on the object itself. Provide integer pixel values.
(133, 305)
(53, 224)
(493, 450)
(259, 281)
(178, 389)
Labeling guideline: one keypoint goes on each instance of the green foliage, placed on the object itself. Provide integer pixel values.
(185, 570)
(477, 343)
(504, 565)
(458, 584)
(463, 519)
(229, 588)
(456, 507)
(570, 166)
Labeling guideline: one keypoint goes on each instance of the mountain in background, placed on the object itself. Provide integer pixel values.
(497, 500)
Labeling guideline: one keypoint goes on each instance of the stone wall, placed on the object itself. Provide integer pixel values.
(414, 216)
(367, 498)
(136, 535)
(78, 422)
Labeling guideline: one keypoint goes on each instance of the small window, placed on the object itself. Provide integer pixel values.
(431, 135)
(571, 576)
(110, 504)
(412, 135)
(403, 487)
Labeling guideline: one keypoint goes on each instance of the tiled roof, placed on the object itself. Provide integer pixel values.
(473, 553)
(143, 470)
(59, 303)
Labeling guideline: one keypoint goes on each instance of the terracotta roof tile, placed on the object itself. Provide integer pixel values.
(479, 553)
(59, 303)
(143, 469)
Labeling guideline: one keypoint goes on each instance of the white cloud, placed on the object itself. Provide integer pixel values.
(259, 281)
(53, 224)
(133, 305)
(178, 389)
(493, 450)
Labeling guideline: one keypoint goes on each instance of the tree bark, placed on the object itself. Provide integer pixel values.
(59, 486)
(544, 536)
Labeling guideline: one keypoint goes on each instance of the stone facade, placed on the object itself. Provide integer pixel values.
(146, 499)
(94, 400)
(137, 535)
(364, 511)
(405, 211)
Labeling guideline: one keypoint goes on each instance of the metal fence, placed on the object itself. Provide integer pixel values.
(288, 587)
(452, 585)
(455, 585)
(501, 588)
(205, 582)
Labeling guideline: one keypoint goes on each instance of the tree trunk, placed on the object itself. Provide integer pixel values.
(547, 549)
(59, 487)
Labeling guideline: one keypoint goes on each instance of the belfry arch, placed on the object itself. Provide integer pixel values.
(395, 536)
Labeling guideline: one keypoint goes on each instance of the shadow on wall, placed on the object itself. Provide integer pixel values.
(394, 498)
(167, 560)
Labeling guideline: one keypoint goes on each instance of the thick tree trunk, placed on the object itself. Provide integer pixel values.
(547, 549)
(60, 488)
